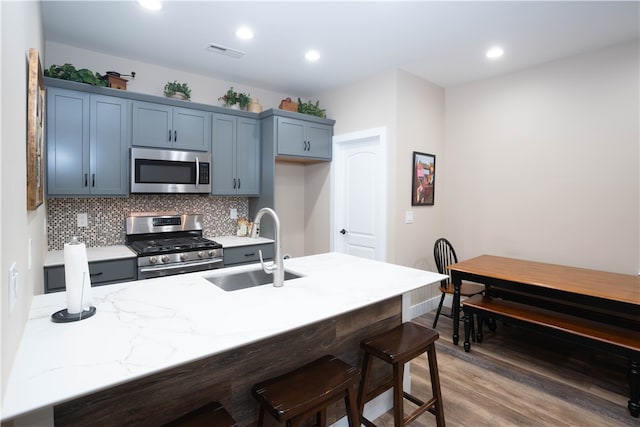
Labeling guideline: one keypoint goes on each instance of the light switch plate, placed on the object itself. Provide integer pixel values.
(83, 221)
(234, 213)
(408, 217)
(13, 286)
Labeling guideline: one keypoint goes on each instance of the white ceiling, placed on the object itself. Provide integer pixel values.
(443, 42)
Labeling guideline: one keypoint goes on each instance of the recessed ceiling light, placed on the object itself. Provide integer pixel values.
(150, 4)
(495, 52)
(312, 55)
(244, 33)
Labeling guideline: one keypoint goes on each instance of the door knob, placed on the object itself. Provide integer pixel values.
(343, 231)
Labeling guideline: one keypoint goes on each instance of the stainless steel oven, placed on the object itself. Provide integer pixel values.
(171, 244)
(170, 171)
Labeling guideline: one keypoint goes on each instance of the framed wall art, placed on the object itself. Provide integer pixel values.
(35, 132)
(424, 179)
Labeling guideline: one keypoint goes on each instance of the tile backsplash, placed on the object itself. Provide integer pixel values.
(106, 216)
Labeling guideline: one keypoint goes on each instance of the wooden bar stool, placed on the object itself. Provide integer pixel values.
(212, 414)
(308, 390)
(396, 347)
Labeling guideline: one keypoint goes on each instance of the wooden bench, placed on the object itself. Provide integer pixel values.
(571, 328)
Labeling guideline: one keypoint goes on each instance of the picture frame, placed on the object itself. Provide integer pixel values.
(35, 132)
(424, 179)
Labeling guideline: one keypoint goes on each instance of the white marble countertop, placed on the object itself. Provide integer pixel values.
(98, 253)
(146, 326)
(235, 241)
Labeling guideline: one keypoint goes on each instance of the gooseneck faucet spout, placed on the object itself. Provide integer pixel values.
(277, 266)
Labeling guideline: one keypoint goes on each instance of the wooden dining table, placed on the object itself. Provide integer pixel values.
(604, 296)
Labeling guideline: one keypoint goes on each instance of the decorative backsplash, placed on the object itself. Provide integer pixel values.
(106, 216)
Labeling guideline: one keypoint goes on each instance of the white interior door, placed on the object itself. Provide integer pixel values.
(359, 194)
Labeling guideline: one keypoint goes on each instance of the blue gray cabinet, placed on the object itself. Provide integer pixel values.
(300, 138)
(88, 137)
(101, 273)
(247, 254)
(164, 126)
(235, 152)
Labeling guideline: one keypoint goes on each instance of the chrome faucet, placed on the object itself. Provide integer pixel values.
(277, 266)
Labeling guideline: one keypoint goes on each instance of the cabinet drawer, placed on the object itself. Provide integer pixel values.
(102, 273)
(247, 254)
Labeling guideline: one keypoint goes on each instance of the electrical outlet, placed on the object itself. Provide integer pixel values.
(234, 213)
(13, 286)
(83, 221)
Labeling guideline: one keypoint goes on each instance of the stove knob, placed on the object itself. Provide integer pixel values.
(153, 260)
(165, 258)
(211, 253)
(183, 257)
(200, 254)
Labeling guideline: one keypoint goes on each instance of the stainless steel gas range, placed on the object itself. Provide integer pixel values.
(171, 244)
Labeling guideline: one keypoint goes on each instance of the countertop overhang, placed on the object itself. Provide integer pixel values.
(144, 327)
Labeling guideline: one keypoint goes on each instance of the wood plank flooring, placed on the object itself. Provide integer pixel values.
(515, 378)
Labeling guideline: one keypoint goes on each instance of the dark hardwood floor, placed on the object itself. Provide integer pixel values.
(515, 378)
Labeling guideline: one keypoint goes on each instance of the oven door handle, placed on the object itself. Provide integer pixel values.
(178, 266)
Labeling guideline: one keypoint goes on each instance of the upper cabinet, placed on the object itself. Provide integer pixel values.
(301, 138)
(235, 153)
(165, 126)
(297, 137)
(88, 137)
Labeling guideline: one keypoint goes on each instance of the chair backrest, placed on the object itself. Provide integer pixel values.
(444, 255)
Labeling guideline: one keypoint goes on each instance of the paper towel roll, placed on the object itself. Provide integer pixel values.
(76, 276)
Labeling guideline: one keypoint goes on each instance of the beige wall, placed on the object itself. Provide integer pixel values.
(412, 110)
(368, 104)
(420, 128)
(150, 79)
(289, 204)
(21, 29)
(544, 164)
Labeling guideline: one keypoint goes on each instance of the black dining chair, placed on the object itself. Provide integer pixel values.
(445, 255)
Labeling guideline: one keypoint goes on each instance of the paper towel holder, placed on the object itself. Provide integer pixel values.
(63, 316)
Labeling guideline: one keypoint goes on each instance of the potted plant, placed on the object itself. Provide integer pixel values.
(230, 98)
(233, 99)
(177, 90)
(243, 100)
(69, 72)
(311, 108)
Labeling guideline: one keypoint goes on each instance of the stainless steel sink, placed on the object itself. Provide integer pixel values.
(246, 279)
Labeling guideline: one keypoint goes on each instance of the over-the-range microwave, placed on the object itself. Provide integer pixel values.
(169, 171)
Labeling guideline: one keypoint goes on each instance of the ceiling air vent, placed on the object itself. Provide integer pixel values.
(234, 53)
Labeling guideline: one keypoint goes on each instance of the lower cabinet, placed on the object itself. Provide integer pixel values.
(247, 254)
(101, 272)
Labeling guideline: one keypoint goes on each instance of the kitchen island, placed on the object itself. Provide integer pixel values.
(157, 348)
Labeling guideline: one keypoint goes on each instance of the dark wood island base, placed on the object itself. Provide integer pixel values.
(228, 377)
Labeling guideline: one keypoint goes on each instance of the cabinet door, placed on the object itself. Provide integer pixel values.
(248, 157)
(291, 137)
(247, 254)
(152, 125)
(109, 143)
(101, 272)
(191, 129)
(222, 155)
(67, 142)
(319, 141)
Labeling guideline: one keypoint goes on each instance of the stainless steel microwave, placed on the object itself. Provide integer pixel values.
(169, 171)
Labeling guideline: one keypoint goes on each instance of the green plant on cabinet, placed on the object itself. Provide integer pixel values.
(69, 72)
(174, 89)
